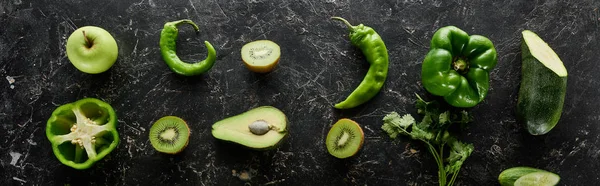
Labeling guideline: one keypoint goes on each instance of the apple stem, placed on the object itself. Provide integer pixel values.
(88, 44)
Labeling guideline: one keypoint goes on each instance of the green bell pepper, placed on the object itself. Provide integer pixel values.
(457, 66)
(88, 125)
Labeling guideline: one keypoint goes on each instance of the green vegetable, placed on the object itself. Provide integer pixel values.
(509, 176)
(374, 49)
(538, 179)
(543, 85)
(168, 37)
(457, 66)
(82, 132)
(433, 131)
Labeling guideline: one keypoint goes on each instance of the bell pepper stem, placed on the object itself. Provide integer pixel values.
(460, 65)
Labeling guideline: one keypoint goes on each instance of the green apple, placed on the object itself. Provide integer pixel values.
(92, 49)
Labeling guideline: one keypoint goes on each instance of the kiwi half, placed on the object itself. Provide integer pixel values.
(169, 134)
(261, 56)
(345, 138)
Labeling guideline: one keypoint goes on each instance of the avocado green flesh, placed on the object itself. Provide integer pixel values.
(235, 129)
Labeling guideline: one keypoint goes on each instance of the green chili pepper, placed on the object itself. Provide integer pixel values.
(88, 125)
(457, 66)
(168, 36)
(374, 49)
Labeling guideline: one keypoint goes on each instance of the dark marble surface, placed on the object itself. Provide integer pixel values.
(318, 68)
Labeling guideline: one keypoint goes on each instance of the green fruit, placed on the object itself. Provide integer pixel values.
(92, 49)
(509, 176)
(543, 85)
(169, 134)
(538, 179)
(259, 128)
(261, 56)
(345, 138)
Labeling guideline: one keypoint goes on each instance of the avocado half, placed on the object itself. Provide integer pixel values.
(236, 129)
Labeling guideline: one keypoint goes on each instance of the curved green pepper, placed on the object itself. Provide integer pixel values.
(82, 132)
(168, 37)
(372, 46)
(457, 66)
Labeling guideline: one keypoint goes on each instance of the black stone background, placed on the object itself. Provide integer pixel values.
(318, 68)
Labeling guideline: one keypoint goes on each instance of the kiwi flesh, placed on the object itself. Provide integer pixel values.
(169, 134)
(261, 56)
(345, 138)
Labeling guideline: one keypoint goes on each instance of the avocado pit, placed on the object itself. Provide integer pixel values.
(259, 127)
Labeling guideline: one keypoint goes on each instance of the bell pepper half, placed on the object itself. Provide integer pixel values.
(457, 66)
(82, 132)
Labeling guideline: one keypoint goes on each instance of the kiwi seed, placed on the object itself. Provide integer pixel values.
(345, 138)
(261, 56)
(261, 52)
(169, 134)
(259, 127)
